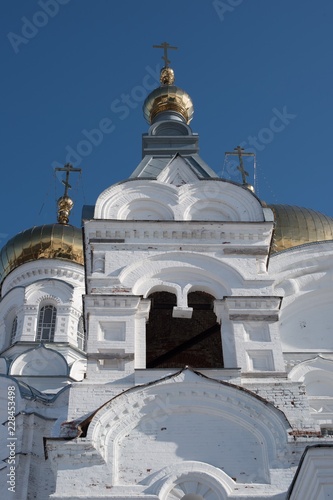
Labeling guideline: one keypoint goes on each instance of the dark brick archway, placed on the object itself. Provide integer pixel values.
(177, 342)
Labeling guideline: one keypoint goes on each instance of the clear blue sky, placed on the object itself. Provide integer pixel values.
(68, 66)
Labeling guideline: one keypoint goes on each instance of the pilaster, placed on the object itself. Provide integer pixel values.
(250, 337)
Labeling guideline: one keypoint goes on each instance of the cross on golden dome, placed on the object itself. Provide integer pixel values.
(165, 46)
(68, 167)
(65, 203)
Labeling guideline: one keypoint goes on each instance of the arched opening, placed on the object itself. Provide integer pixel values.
(178, 342)
(46, 323)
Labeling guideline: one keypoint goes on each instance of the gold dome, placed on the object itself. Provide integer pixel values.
(168, 97)
(298, 226)
(52, 241)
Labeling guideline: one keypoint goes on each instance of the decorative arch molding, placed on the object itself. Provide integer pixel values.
(78, 369)
(224, 201)
(142, 412)
(181, 279)
(161, 286)
(39, 361)
(232, 202)
(196, 478)
(116, 201)
(48, 299)
(145, 209)
(316, 374)
(49, 290)
(211, 210)
(300, 260)
(305, 281)
(177, 270)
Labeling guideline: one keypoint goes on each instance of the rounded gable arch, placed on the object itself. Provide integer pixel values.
(49, 290)
(179, 269)
(123, 200)
(221, 200)
(167, 409)
(145, 209)
(39, 361)
(316, 374)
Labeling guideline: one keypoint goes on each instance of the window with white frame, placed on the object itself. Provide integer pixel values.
(46, 323)
(81, 341)
(13, 330)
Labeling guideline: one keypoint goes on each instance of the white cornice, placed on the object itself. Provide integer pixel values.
(40, 269)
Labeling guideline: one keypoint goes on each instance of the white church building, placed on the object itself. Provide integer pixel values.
(180, 347)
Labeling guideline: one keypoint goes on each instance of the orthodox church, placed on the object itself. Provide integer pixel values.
(179, 347)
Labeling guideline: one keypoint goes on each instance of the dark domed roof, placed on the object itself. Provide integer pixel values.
(297, 226)
(52, 241)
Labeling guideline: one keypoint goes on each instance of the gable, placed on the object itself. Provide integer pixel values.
(188, 417)
(178, 172)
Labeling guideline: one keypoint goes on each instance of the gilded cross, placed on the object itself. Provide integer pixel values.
(67, 168)
(165, 46)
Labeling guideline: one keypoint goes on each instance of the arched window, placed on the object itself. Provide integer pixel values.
(81, 341)
(177, 342)
(13, 330)
(46, 323)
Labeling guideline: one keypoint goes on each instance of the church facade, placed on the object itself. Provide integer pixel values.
(180, 347)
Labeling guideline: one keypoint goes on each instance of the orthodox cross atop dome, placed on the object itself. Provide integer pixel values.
(68, 167)
(65, 203)
(165, 46)
(167, 76)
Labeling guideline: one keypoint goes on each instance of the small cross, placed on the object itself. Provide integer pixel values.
(165, 46)
(67, 168)
(240, 153)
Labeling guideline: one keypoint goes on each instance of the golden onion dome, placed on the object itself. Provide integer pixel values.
(52, 241)
(168, 97)
(296, 226)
